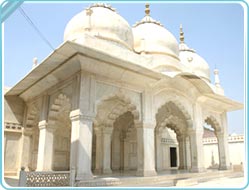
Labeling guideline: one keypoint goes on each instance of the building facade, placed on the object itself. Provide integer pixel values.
(114, 97)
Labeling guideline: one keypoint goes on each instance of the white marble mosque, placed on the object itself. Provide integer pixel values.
(112, 98)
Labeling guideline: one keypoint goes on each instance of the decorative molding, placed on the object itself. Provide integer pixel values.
(122, 105)
(180, 107)
(213, 121)
(12, 127)
(168, 141)
(76, 115)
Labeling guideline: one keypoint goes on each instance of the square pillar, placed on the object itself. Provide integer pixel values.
(99, 151)
(107, 134)
(145, 150)
(196, 146)
(196, 138)
(81, 145)
(222, 137)
(46, 147)
(224, 162)
(126, 155)
(159, 156)
(182, 152)
(26, 148)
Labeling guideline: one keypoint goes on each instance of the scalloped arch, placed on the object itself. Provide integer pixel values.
(181, 108)
(33, 115)
(113, 106)
(211, 120)
(60, 108)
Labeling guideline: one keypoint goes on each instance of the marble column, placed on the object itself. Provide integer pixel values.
(196, 144)
(45, 147)
(222, 138)
(107, 134)
(182, 152)
(145, 150)
(159, 156)
(126, 154)
(81, 145)
(188, 153)
(99, 151)
(26, 148)
(223, 151)
(116, 150)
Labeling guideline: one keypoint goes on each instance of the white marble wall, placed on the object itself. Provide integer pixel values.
(12, 147)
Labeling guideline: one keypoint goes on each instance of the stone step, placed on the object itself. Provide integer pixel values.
(167, 180)
(185, 182)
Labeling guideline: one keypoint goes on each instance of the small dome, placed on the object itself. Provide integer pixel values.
(195, 63)
(100, 21)
(152, 38)
(192, 60)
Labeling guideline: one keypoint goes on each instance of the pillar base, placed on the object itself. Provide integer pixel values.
(224, 167)
(98, 171)
(197, 170)
(82, 177)
(182, 168)
(146, 173)
(107, 171)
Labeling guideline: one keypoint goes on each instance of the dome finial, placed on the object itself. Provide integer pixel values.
(216, 78)
(147, 9)
(181, 34)
(35, 62)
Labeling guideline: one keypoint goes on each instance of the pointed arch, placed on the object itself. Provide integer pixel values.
(60, 109)
(33, 115)
(113, 106)
(213, 122)
(173, 109)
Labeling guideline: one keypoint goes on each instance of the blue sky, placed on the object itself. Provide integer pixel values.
(215, 31)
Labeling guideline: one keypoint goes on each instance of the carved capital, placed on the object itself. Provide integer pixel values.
(42, 124)
(107, 130)
(76, 115)
(138, 124)
(28, 131)
(149, 125)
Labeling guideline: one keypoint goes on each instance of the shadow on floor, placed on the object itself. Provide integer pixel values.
(13, 182)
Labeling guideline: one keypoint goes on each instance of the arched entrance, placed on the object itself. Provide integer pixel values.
(215, 145)
(58, 119)
(124, 143)
(115, 139)
(172, 144)
(32, 124)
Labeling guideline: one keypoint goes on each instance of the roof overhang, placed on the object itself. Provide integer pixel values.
(220, 103)
(70, 58)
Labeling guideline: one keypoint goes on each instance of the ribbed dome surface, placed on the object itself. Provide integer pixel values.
(100, 21)
(152, 38)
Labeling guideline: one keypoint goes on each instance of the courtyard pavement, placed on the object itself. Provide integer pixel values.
(235, 182)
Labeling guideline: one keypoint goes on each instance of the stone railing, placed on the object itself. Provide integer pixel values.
(46, 179)
(213, 140)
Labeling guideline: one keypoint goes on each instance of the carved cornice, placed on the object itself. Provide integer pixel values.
(12, 127)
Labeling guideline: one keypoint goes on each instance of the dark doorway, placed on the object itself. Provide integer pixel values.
(173, 157)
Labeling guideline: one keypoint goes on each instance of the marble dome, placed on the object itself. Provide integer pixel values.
(100, 21)
(194, 62)
(151, 37)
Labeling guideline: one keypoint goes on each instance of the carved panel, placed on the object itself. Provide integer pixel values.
(48, 179)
